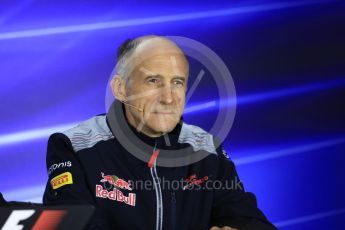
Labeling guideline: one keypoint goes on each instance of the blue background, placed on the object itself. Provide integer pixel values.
(287, 60)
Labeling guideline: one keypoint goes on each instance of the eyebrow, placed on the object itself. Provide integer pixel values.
(153, 75)
(160, 76)
(180, 78)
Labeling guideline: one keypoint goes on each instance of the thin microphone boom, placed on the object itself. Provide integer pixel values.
(141, 110)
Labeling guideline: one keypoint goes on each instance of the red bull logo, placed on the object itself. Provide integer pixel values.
(116, 195)
(115, 181)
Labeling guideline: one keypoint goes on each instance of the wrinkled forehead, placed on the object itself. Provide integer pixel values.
(171, 66)
(157, 47)
(158, 56)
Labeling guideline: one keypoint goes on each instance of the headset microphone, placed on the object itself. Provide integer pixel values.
(141, 110)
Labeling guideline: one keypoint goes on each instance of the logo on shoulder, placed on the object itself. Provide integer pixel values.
(61, 180)
(53, 167)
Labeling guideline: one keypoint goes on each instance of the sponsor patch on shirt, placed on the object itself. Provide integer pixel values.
(115, 181)
(61, 180)
(111, 189)
(193, 180)
(53, 167)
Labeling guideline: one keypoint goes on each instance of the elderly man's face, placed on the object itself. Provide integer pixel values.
(157, 86)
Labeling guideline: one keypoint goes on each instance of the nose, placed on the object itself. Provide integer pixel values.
(166, 95)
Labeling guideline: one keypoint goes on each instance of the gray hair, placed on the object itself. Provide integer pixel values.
(124, 53)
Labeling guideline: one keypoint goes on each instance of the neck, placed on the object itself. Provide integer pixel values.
(140, 127)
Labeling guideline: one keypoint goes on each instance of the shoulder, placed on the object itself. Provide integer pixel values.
(88, 133)
(198, 138)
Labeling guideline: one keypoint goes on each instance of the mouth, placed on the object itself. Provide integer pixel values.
(164, 112)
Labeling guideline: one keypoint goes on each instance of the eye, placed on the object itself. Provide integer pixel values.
(153, 81)
(178, 82)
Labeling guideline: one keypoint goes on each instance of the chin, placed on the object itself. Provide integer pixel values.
(162, 129)
(160, 125)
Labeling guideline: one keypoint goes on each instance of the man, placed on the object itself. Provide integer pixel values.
(144, 139)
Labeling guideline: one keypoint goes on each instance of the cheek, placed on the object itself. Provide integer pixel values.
(148, 106)
(149, 103)
(178, 94)
(180, 103)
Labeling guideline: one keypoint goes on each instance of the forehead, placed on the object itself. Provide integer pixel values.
(165, 63)
(159, 50)
(156, 46)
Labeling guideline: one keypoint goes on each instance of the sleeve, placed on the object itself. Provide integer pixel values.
(232, 206)
(2, 201)
(66, 179)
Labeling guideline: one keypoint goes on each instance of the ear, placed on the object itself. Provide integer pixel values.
(118, 87)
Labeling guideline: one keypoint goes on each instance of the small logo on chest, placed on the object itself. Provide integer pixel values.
(193, 180)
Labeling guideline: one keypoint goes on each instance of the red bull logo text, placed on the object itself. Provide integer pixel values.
(116, 195)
